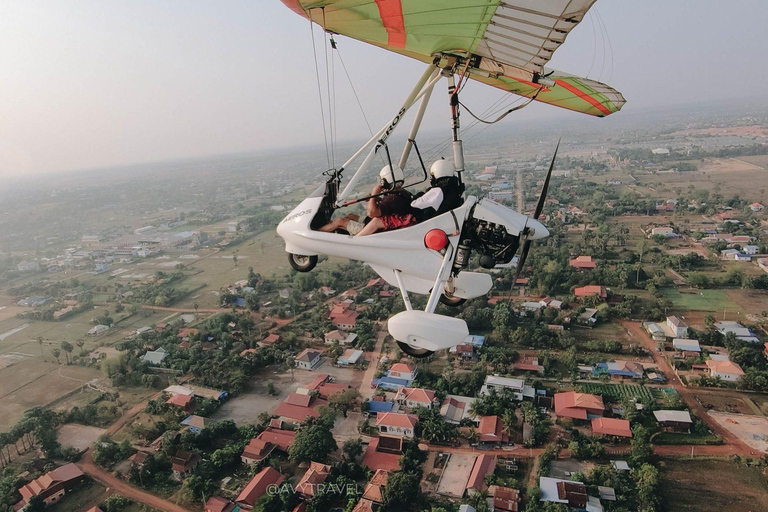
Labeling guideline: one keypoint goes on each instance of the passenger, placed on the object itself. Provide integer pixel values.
(384, 212)
(444, 194)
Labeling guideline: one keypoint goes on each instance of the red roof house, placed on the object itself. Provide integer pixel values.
(588, 291)
(262, 445)
(219, 504)
(258, 486)
(484, 465)
(582, 262)
(578, 405)
(52, 485)
(611, 427)
(315, 475)
(491, 430)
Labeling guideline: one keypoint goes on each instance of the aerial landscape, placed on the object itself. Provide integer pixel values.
(182, 333)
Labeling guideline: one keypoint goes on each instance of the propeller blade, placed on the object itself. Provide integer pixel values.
(521, 260)
(543, 194)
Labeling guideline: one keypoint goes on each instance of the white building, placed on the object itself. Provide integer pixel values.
(751, 250)
(395, 423)
(308, 359)
(350, 357)
(741, 332)
(726, 370)
(665, 231)
(499, 384)
(686, 345)
(678, 327)
(342, 337)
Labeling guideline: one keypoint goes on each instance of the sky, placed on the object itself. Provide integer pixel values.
(98, 83)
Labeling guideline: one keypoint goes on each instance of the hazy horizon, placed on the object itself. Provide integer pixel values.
(102, 85)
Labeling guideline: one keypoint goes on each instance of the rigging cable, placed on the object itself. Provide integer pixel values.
(505, 114)
(354, 91)
(320, 93)
(594, 42)
(608, 38)
(328, 89)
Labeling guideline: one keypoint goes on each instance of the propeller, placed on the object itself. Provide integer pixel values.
(536, 214)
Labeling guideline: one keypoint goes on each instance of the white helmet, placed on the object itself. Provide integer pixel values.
(387, 175)
(442, 169)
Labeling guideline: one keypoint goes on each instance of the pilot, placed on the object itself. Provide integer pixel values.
(444, 194)
(384, 212)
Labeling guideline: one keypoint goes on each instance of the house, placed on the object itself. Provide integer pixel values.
(185, 402)
(580, 406)
(28, 266)
(483, 465)
(573, 494)
(503, 499)
(530, 307)
(196, 424)
(664, 231)
(270, 339)
(516, 387)
(549, 302)
(265, 479)
(465, 351)
(308, 359)
(726, 370)
(139, 459)
(51, 486)
(219, 504)
(398, 424)
(297, 407)
(582, 262)
(456, 408)
(589, 290)
(734, 255)
(741, 332)
(751, 250)
(93, 331)
(588, 317)
(674, 421)
(346, 321)
(405, 371)
(685, 345)
(416, 397)
(630, 369)
(327, 291)
(374, 489)
(183, 463)
(154, 357)
(267, 441)
(312, 480)
(756, 207)
(350, 357)
(342, 337)
(364, 506)
(491, 430)
(528, 361)
(655, 330)
(612, 427)
(349, 294)
(678, 327)
(383, 452)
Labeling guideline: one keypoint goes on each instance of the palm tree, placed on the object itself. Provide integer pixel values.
(196, 306)
(68, 348)
(40, 342)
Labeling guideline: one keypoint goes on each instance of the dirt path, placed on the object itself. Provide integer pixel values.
(733, 444)
(365, 389)
(114, 484)
(188, 310)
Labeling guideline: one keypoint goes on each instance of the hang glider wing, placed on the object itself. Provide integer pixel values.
(509, 41)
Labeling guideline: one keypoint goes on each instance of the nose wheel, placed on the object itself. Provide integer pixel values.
(451, 300)
(301, 263)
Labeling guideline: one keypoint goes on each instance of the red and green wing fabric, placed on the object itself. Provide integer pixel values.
(510, 40)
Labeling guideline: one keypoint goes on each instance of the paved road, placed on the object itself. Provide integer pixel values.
(732, 442)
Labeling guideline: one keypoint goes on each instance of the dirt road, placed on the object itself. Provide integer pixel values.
(366, 391)
(114, 484)
(732, 443)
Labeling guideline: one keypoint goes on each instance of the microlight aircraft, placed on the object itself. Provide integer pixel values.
(504, 44)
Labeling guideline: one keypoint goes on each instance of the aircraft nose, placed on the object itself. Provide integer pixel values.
(539, 229)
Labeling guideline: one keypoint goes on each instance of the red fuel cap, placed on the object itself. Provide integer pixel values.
(436, 239)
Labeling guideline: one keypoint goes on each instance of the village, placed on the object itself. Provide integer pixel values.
(185, 367)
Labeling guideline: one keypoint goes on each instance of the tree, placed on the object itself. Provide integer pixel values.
(314, 442)
(40, 342)
(196, 306)
(402, 491)
(352, 449)
(68, 348)
(647, 481)
(641, 447)
(342, 402)
(56, 353)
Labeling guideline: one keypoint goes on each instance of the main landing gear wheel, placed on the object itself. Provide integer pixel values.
(451, 300)
(301, 263)
(414, 352)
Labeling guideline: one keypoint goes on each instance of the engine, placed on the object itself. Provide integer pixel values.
(491, 241)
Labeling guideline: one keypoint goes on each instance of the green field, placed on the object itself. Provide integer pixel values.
(619, 391)
(700, 300)
(688, 439)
